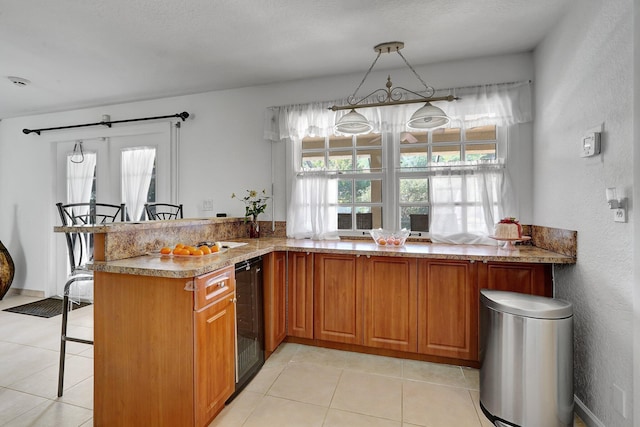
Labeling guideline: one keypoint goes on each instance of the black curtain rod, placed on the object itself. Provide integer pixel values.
(182, 115)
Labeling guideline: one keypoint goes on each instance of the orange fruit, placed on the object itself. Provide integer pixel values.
(165, 250)
(190, 248)
(205, 249)
(197, 252)
(184, 251)
(177, 251)
(396, 242)
(179, 246)
(382, 242)
(214, 249)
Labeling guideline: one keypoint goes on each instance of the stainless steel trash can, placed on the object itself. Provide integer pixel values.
(526, 360)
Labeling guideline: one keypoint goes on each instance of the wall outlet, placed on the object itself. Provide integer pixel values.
(620, 215)
(207, 205)
(619, 400)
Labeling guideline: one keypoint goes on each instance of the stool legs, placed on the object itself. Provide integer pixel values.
(63, 336)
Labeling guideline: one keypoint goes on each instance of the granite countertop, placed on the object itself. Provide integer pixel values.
(185, 266)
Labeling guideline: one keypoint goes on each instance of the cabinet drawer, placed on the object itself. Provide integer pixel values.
(214, 285)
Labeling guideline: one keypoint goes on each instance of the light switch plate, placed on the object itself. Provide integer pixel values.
(207, 205)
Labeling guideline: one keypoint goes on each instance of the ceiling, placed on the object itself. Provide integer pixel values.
(83, 53)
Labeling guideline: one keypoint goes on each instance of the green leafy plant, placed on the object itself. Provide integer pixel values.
(255, 203)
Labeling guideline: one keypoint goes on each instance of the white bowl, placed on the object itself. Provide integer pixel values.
(388, 237)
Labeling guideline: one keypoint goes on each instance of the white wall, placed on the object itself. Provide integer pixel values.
(584, 77)
(221, 150)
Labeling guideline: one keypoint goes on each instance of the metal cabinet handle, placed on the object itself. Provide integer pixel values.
(233, 300)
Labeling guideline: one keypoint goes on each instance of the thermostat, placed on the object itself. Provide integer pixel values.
(590, 144)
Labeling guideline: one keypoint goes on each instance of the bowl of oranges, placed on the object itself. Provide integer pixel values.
(181, 249)
(389, 238)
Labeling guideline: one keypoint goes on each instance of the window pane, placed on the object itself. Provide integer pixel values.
(414, 190)
(310, 143)
(368, 140)
(312, 161)
(445, 135)
(368, 217)
(345, 219)
(341, 160)
(481, 133)
(345, 191)
(413, 137)
(369, 160)
(445, 153)
(480, 152)
(340, 142)
(369, 191)
(415, 218)
(413, 156)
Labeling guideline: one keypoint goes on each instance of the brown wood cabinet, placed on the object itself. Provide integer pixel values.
(215, 343)
(390, 303)
(300, 290)
(164, 354)
(534, 279)
(448, 308)
(337, 298)
(275, 299)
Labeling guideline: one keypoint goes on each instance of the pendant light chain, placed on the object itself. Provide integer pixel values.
(428, 88)
(353, 97)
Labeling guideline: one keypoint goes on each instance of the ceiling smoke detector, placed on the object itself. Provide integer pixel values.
(19, 81)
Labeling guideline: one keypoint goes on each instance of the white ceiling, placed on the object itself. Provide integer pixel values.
(82, 53)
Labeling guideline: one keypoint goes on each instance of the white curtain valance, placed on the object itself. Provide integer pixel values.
(500, 104)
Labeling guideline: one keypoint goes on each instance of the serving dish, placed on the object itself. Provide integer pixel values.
(388, 237)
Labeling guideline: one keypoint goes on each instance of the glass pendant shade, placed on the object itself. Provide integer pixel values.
(353, 123)
(427, 117)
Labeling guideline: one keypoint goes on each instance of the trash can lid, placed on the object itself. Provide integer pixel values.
(526, 305)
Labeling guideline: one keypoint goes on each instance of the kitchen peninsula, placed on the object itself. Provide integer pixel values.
(164, 326)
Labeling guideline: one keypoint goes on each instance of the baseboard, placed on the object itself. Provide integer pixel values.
(26, 293)
(585, 414)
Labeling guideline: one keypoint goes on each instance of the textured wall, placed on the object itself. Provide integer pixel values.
(584, 77)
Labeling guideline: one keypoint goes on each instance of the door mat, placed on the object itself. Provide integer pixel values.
(44, 308)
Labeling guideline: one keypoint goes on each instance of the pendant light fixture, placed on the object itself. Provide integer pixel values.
(426, 117)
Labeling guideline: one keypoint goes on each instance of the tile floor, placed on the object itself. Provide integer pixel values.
(298, 386)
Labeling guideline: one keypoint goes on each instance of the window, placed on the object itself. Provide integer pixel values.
(420, 154)
(359, 162)
(393, 181)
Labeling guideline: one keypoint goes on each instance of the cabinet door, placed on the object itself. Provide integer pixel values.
(448, 309)
(390, 303)
(275, 323)
(337, 299)
(534, 279)
(215, 348)
(300, 288)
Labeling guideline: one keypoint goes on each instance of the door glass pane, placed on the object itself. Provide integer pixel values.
(414, 190)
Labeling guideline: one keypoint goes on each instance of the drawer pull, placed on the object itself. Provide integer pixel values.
(233, 300)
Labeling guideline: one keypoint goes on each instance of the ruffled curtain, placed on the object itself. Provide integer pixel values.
(502, 105)
(137, 168)
(79, 183)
